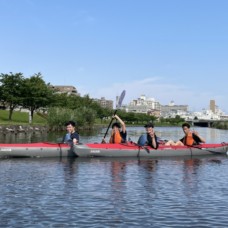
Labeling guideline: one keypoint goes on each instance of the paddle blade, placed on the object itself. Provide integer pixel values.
(121, 99)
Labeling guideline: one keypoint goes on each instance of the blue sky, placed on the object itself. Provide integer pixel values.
(169, 50)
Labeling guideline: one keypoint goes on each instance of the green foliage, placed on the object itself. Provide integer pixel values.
(57, 117)
(36, 93)
(136, 118)
(11, 90)
(84, 117)
(220, 125)
(172, 121)
(31, 93)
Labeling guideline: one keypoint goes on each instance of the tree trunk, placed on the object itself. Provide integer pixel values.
(10, 113)
(31, 115)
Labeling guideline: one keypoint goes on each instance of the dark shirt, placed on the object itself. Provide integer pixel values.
(149, 141)
(123, 136)
(74, 135)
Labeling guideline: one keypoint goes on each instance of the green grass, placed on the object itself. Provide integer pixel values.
(21, 118)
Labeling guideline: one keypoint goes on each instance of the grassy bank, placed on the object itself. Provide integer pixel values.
(20, 118)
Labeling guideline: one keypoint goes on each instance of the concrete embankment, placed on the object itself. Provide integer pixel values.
(14, 129)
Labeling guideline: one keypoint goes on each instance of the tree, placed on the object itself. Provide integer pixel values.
(36, 94)
(11, 90)
(58, 116)
(85, 117)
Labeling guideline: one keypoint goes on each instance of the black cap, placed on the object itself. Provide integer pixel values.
(149, 125)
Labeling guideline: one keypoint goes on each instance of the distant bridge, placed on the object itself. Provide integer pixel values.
(202, 123)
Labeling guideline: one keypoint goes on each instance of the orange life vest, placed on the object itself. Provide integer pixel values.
(116, 138)
(188, 139)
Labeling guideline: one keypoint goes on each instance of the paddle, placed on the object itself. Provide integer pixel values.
(117, 107)
(143, 147)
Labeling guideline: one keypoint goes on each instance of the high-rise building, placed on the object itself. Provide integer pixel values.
(212, 106)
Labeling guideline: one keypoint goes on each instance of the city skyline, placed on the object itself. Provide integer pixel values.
(170, 50)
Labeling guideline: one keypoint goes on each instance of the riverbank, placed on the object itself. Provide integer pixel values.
(19, 123)
(15, 129)
(221, 125)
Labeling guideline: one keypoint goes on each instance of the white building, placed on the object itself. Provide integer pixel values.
(143, 105)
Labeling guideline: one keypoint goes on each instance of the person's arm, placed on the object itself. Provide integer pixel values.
(121, 122)
(123, 136)
(153, 137)
(200, 139)
(75, 138)
(111, 140)
(154, 142)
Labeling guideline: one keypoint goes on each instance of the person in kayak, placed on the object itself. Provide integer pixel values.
(150, 138)
(71, 136)
(118, 135)
(191, 137)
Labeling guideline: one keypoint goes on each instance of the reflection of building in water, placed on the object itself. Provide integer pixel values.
(214, 135)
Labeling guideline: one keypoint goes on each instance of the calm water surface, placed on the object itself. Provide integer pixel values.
(96, 192)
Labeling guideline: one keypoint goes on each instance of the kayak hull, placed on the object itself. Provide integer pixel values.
(107, 150)
(131, 150)
(36, 150)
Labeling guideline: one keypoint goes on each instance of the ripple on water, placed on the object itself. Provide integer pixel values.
(115, 193)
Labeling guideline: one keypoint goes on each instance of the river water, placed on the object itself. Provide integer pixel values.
(130, 192)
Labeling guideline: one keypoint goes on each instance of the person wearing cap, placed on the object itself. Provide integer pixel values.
(72, 136)
(150, 138)
(118, 135)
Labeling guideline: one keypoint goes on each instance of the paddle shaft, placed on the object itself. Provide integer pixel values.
(142, 147)
(117, 106)
(110, 124)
